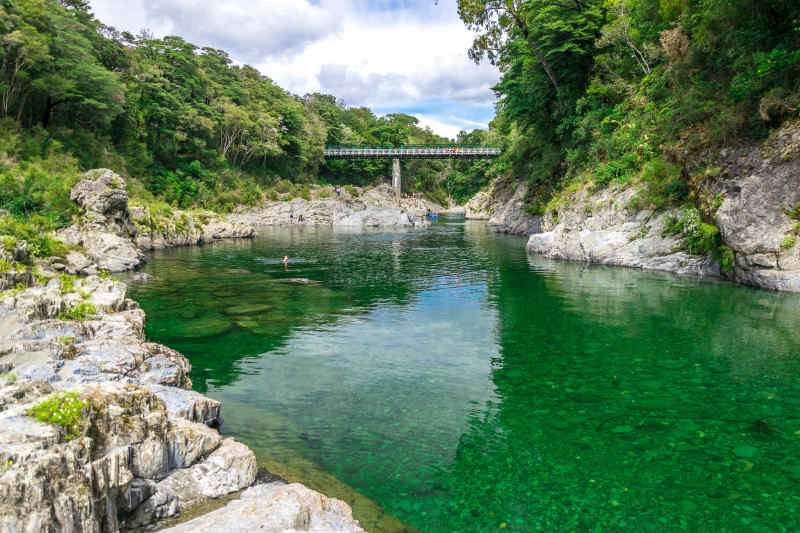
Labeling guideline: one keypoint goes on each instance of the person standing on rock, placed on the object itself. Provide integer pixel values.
(338, 193)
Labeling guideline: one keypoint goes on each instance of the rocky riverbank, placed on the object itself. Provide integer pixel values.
(120, 440)
(355, 209)
(112, 235)
(750, 193)
(99, 429)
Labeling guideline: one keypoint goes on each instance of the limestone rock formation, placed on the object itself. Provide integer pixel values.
(141, 425)
(599, 228)
(345, 212)
(113, 235)
(375, 217)
(105, 231)
(276, 508)
(759, 214)
(503, 205)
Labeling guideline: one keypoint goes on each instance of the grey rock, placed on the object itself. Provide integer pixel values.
(102, 192)
(21, 253)
(503, 205)
(77, 263)
(188, 404)
(230, 468)
(375, 217)
(276, 508)
(112, 252)
(597, 228)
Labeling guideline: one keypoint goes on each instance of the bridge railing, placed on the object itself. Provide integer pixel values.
(420, 151)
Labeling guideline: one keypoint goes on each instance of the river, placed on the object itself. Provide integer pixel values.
(448, 378)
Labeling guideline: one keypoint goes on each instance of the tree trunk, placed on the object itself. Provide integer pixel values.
(535, 49)
(545, 65)
(21, 106)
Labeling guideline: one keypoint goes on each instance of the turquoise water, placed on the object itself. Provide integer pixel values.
(464, 386)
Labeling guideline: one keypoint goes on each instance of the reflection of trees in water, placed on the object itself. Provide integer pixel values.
(222, 303)
(603, 375)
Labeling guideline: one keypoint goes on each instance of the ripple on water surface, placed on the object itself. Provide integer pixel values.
(464, 386)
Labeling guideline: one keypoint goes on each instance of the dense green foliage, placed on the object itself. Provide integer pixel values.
(186, 124)
(612, 90)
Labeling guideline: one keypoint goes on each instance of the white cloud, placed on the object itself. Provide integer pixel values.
(382, 54)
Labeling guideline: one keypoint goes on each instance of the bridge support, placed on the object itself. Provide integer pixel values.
(396, 182)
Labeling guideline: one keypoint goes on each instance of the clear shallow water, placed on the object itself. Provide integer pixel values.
(464, 386)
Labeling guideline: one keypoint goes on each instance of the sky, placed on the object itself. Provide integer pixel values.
(406, 56)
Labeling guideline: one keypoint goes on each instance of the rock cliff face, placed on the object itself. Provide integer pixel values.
(759, 214)
(751, 193)
(146, 449)
(503, 205)
(599, 228)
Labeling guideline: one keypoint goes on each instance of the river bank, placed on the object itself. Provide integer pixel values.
(100, 430)
(751, 195)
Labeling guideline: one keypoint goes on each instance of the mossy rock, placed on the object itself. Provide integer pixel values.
(205, 326)
(248, 309)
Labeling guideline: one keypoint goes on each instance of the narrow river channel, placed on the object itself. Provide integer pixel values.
(465, 386)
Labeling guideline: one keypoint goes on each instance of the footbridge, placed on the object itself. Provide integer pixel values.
(452, 151)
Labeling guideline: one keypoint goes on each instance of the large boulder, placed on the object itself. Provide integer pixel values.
(111, 251)
(105, 231)
(102, 192)
(276, 508)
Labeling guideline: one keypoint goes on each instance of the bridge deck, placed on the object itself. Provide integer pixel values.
(441, 152)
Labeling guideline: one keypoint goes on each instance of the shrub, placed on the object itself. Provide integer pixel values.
(788, 242)
(63, 409)
(700, 237)
(352, 191)
(67, 283)
(81, 312)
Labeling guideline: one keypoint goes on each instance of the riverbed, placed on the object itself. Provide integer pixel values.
(442, 379)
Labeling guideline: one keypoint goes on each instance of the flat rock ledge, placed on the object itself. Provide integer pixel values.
(147, 449)
(276, 508)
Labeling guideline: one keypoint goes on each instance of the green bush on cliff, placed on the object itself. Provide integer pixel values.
(699, 237)
(80, 312)
(63, 409)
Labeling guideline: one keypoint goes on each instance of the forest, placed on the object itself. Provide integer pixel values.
(607, 91)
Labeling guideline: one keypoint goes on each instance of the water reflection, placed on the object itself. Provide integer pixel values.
(468, 387)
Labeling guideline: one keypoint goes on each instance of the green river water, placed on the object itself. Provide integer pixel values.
(443, 380)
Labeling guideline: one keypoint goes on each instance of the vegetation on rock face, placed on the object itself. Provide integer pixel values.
(63, 409)
(80, 312)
